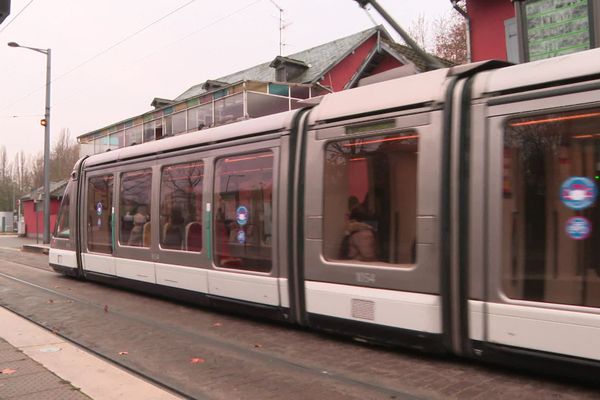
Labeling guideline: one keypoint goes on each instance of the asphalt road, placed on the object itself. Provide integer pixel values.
(209, 355)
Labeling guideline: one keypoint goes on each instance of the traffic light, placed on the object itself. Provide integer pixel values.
(43, 122)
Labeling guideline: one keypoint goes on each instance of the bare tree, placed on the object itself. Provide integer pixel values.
(21, 174)
(445, 37)
(64, 156)
(4, 172)
(419, 31)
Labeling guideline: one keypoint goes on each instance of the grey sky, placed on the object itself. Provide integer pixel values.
(96, 84)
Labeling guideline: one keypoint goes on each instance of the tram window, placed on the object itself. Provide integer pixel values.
(99, 214)
(551, 216)
(134, 206)
(375, 178)
(243, 212)
(181, 206)
(63, 227)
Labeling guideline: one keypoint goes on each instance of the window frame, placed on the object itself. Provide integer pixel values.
(176, 163)
(241, 151)
(88, 178)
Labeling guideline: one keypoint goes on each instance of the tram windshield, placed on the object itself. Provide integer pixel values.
(63, 227)
(551, 216)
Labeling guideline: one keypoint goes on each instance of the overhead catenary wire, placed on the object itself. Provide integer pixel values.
(202, 28)
(16, 16)
(90, 59)
(126, 38)
(158, 50)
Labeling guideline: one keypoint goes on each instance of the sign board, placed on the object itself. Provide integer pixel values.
(557, 27)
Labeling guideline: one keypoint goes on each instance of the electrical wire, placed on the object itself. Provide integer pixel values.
(126, 38)
(16, 16)
(199, 30)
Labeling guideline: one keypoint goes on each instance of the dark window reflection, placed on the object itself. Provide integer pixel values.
(134, 208)
(551, 219)
(244, 212)
(99, 214)
(181, 207)
(370, 199)
(63, 225)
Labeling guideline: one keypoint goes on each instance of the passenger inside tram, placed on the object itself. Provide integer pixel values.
(137, 232)
(377, 177)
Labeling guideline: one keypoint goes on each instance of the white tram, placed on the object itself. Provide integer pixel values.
(455, 210)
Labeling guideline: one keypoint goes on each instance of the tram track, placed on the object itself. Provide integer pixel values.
(268, 360)
(256, 356)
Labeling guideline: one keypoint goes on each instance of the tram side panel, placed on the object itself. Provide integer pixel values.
(205, 222)
(371, 224)
(542, 217)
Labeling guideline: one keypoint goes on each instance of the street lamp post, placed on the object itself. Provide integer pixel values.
(46, 123)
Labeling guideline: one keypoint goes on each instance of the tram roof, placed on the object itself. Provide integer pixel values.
(427, 87)
(269, 124)
(542, 72)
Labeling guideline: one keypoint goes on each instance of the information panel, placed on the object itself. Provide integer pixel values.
(557, 27)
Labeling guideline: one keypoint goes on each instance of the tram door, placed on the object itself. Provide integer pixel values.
(244, 234)
(543, 230)
(97, 223)
(371, 217)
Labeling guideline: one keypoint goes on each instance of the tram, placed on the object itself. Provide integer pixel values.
(452, 211)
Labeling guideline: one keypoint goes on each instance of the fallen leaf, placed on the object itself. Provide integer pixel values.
(197, 360)
(216, 324)
(105, 308)
(123, 353)
(8, 371)
(258, 346)
(50, 301)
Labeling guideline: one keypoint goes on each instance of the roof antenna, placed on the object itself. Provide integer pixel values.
(281, 27)
(432, 62)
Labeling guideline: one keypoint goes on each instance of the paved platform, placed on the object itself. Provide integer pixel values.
(36, 364)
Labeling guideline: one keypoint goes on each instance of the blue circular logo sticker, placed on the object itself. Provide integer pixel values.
(578, 192)
(241, 215)
(241, 236)
(578, 228)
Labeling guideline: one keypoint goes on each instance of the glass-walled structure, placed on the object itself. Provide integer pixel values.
(236, 102)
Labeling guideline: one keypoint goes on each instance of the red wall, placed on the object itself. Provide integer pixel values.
(341, 74)
(29, 215)
(488, 39)
(387, 63)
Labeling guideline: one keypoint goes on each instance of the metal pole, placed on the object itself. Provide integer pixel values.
(47, 152)
(432, 62)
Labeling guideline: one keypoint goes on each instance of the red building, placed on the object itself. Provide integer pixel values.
(490, 23)
(274, 86)
(32, 208)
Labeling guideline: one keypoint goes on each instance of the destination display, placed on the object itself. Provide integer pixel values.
(557, 27)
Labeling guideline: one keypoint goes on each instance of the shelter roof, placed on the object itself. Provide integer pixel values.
(56, 191)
